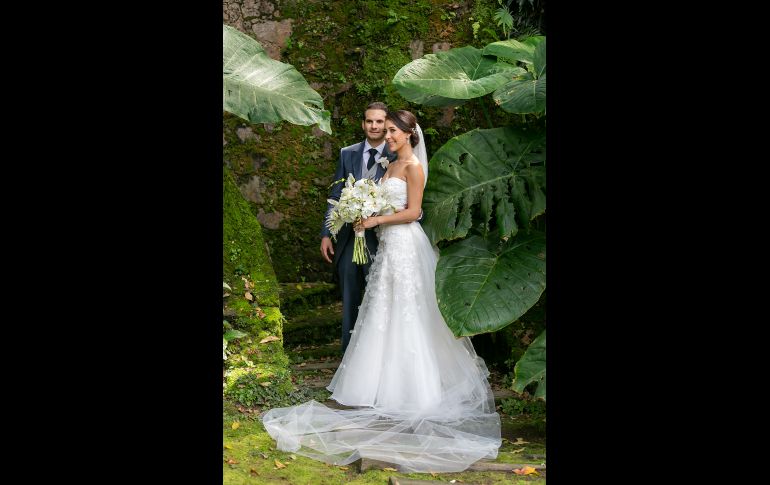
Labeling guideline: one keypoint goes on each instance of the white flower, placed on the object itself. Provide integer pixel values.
(384, 162)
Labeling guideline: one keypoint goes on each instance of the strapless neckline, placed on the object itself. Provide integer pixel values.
(392, 178)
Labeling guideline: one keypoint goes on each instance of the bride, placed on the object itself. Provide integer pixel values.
(420, 395)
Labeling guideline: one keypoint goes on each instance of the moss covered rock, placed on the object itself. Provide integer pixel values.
(245, 256)
(256, 365)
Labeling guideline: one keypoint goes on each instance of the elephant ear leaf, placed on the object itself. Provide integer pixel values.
(524, 93)
(262, 90)
(482, 285)
(451, 77)
(538, 60)
(531, 367)
(514, 50)
(501, 171)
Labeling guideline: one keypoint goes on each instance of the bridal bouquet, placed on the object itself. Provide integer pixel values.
(359, 200)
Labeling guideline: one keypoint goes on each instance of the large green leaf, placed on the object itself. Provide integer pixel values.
(262, 90)
(513, 49)
(531, 367)
(425, 99)
(522, 95)
(457, 74)
(538, 60)
(525, 93)
(501, 170)
(483, 285)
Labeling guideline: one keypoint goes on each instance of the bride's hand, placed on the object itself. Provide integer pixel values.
(369, 222)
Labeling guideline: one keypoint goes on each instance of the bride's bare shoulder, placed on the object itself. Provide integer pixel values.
(414, 168)
(413, 161)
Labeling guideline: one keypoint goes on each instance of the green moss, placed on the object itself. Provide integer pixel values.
(244, 252)
(379, 67)
(273, 319)
(263, 385)
(239, 306)
(246, 351)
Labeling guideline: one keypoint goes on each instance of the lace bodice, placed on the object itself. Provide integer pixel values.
(396, 189)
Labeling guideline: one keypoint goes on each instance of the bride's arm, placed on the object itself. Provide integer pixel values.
(414, 186)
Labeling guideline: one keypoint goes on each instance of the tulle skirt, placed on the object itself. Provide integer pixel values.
(422, 397)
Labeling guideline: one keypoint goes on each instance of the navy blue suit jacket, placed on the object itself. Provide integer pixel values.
(350, 161)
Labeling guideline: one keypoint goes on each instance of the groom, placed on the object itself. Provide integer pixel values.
(361, 160)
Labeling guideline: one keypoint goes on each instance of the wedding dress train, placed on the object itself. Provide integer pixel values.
(422, 396)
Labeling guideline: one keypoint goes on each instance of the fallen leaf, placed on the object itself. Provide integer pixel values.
(265, 384)
(293, 456)
(271, 338)
(299, 287)
(390, 469)
(527, 470)
(226, 294)
(231, 462)
(303, 364)
(343, 468)
(519, 441)
(261, 314)
(278, 464)
(518, 451)
(249, 296)
(229, 447)
(253, 471)
(235, 425)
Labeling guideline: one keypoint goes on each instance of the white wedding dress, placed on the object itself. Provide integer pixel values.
(422, 396)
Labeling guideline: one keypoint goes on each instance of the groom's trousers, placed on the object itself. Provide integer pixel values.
(352, 281)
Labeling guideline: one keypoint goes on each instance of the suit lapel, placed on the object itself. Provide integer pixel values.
(358, 154)
(387, 154)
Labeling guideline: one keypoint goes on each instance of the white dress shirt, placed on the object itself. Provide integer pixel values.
(365, 157)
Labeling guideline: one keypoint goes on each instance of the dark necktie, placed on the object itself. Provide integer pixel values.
(370, 163)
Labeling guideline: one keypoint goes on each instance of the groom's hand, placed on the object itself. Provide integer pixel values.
(326, 248)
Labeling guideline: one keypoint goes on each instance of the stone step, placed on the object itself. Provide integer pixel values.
(301, 353)
(297, 298)
(315, 366)
(479, 466)
(319, 325)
